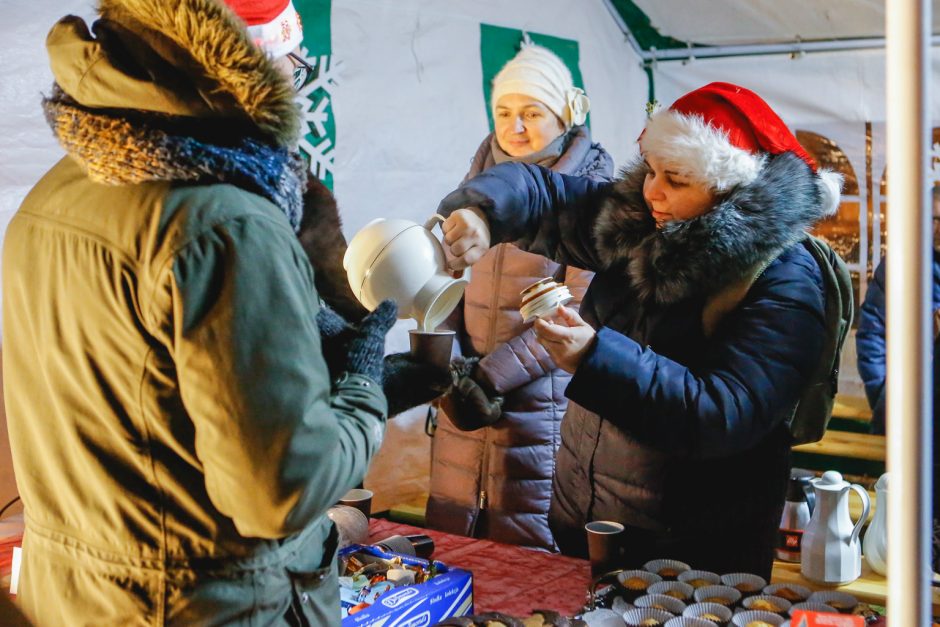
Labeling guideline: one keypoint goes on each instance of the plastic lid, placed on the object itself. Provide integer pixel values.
(830, 480)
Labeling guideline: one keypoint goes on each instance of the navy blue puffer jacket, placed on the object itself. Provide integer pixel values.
(679, 436)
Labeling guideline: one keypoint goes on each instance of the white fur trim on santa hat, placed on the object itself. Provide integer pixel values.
(698, 150)
(830, 188)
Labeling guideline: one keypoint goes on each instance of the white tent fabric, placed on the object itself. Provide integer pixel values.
(735, 22)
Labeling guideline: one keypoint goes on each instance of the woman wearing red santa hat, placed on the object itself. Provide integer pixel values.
(676, 432)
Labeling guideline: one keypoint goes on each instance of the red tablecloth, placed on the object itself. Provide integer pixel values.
(506, 578)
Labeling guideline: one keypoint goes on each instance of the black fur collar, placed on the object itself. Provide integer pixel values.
(751, 224)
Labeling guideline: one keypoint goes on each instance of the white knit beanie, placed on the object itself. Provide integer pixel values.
(538, 73)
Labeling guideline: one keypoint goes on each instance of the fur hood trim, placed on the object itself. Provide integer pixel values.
(207, 41)
(750, 225)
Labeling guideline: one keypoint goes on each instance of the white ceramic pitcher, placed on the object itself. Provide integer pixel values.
(831, 552)
(402, 260)
(875, 545)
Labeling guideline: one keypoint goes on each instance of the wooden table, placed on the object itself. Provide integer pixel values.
(870, 588)
(846, 444)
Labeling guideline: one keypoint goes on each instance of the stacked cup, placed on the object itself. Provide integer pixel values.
(542, 297)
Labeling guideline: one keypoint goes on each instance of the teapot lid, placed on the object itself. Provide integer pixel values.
(830, 480)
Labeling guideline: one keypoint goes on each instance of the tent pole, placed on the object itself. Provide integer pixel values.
(794, 48)
(909, 328)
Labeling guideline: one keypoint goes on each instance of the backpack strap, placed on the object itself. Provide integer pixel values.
(722, 302)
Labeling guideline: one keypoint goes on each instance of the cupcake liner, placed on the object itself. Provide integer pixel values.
(688, 621)
(749, 616)
(662, 602)
(764, 601)
(629, 586)
(712, 594)
(792, 592)
(634, 617)
(812, 607)
(718, 610)
(842, 602)
(620, 605)
(746, 583)
(675, 589)
(700, 578)
(602, 617)
(669, 570)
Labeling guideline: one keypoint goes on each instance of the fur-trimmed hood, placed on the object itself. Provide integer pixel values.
(182, 58)
(749, 226)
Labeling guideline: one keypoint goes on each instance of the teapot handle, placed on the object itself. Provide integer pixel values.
(866, 508)
(433, 221)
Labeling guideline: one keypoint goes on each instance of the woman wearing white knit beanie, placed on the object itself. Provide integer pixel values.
(494, 448)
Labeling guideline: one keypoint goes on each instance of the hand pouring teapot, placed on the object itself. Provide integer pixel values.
(402, 260)
(831, 551)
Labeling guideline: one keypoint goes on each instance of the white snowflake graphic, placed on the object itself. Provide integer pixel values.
(314, 99)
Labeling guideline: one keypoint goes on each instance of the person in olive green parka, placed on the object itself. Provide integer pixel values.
(177, 437)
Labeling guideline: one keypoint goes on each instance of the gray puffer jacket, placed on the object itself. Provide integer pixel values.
(496, 482)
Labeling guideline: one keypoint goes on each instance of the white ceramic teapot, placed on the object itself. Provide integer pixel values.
(875, 545)
(831, 552)
(402, 260)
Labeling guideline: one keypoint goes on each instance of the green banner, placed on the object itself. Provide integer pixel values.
(315, 98)
(498, 45)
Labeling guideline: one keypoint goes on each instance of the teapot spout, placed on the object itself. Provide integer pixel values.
(437, 299)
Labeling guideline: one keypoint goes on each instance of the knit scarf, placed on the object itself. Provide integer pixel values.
(117, 150)
(546, 157)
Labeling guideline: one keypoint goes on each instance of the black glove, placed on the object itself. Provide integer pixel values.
(335, 334)
(366, 349)
(409, 383)
(468, 405)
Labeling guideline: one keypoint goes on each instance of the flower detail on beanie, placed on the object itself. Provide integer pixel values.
(578, 105)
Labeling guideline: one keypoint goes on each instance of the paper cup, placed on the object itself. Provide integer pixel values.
(636, 583)
(603, 537)
(742, 619)
(812, 607)
(843, 602)
(700, 578)
(674, 589)
(669, 570)
(360, 499)
(715, 613)
(766, 603)
(746, 583)
(432, 347)
(723, 595)
(661, 602)
(792, 592)
(637, 617)
(688, 621)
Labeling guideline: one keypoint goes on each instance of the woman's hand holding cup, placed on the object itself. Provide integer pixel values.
(467, 238)
(566, 337)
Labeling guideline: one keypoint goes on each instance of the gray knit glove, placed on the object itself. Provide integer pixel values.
(366, 348)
